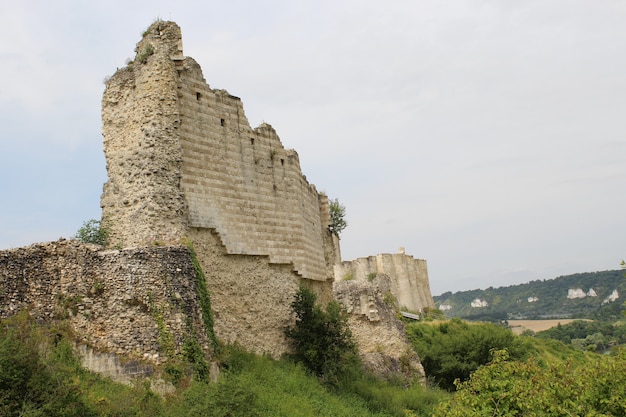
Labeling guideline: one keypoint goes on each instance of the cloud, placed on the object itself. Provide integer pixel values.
(486, 137)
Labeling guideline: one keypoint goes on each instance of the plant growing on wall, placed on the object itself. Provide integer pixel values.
(337, 216)
(93, 231)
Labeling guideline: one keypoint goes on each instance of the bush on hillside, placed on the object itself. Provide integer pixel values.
(321, 339)
(454, 349)
(561, 388)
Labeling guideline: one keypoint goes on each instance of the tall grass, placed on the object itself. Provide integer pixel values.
(249, 385)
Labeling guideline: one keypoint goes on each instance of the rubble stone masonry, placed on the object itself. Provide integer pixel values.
(116, 301)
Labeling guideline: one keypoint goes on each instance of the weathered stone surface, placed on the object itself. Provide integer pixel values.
(409, 277)
(180, 154)
(383, 345)
(183, 164)
(114, 300)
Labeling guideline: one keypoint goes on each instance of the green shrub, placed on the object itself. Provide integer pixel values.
(143, 55)
(561, 388)
(321, 339)
(338, 220)
(93, 231)
(34, 379)
(454, 349)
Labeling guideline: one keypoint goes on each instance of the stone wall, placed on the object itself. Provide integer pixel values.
(380, 335)
(181, 155)
(184, 163)
(138, 303)
(250, 297)
(409, 277)
(142, 201)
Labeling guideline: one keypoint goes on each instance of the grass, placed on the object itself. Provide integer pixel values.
(249, 385)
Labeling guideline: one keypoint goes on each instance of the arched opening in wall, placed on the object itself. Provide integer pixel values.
(251, 141)
(222, 122)
(198, 95)
(282, 161)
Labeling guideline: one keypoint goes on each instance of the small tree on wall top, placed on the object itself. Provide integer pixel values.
(337, 216)
(93, 231)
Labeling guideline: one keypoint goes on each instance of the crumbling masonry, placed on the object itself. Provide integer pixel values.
(186, 170)
(184, 164)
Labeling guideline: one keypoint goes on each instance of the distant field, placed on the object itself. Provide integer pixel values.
(518, 326)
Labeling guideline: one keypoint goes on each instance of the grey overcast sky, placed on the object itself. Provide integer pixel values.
(487, 137)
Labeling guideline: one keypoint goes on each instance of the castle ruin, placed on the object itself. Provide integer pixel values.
(186, 170)
(184, 163)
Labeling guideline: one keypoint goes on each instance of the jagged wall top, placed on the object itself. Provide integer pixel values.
(180, 154)
(409, 277)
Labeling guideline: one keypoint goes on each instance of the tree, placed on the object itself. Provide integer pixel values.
(93, 231)
(337, 217)
(454, 349)
(321, 339)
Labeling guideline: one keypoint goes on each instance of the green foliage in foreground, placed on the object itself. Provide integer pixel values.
(36, 379)
(39, 376)
(253, 385)
(454, 349)
(561, 388)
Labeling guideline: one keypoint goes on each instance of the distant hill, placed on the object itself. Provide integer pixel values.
(595, 295)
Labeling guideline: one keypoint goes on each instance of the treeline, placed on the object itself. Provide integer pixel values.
(588, 335)
(542, 299)
(491, 372)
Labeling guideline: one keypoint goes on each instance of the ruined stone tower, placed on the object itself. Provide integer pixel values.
(184, 164)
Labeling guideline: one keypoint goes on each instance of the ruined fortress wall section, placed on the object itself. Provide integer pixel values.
(409, 277)
(244, 184)
(180, 154)
(379, 334)
(250, 298)
(142, 201)
(137, 303)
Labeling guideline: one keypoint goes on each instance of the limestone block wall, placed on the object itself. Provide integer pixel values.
(181, 155)
(124, 302)
(244, 184)
(409, 277)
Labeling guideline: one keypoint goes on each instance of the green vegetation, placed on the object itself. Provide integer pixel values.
(594, 387)
(35, 381)
(203, 296)
(253, 385)
(550, 299)
(321, 339)
(39, 376)
(93, 231)
(454, 349)
(143, 55)
(338, 220)
(587, 335)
